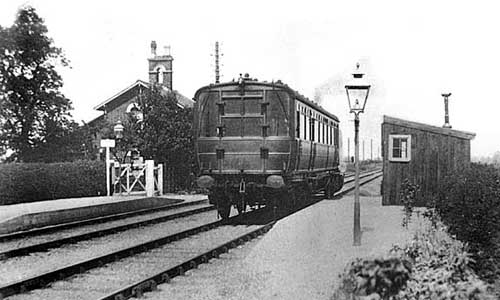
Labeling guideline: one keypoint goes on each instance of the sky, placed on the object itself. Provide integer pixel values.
(411, 52)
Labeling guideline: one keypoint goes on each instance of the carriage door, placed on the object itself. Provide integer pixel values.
(242, 113)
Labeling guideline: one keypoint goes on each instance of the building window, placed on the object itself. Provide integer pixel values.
(134, 111)
(400, 147)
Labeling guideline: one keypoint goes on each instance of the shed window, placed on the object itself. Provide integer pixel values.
(399, 147)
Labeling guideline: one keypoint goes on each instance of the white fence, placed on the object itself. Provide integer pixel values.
(137, 178)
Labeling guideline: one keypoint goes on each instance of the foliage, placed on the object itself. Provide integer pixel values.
(384, 277)
(432, 266)
(164, 134)
(407, 197)
(33, 111)
(441, 268)
(28, 182)
(469, 205)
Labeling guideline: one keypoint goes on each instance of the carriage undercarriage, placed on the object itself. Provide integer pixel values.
(232, 191)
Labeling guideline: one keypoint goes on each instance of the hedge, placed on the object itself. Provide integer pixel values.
(469, 204)
(432, 266)
(29, 182)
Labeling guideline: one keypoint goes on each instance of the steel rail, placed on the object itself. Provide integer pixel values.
(98, 220)
(97, 233)
(42, 280)
(138, 288)
(148, 284)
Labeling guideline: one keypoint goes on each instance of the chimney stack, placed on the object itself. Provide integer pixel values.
(160, 67)
(446, 115)
(153, 48)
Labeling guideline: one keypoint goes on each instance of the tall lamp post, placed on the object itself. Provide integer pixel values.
(357, 94)
(118, 130)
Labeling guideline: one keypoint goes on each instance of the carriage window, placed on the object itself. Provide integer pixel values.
(312, 129)
(307, 126)
(399, 147)
(208, 116)
(336, 136)
(317, 130)
(324, 134)
(320, 131)
(330, 134)
(297, 124)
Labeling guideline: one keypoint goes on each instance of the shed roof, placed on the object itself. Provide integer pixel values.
(425, 127)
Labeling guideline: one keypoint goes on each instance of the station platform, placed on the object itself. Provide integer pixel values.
(26, 216)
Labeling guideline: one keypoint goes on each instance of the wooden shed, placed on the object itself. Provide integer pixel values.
(421, 153)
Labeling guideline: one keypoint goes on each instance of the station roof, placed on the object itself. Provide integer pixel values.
(430, 128)
(181, 99)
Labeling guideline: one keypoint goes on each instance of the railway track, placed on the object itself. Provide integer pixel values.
(93, 221)
(133, 270)
(44, 241)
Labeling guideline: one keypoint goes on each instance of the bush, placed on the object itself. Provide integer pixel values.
(432, 266)
(469, 205)
(441, 268)
(407, 196)
(384, 277)
(28, 182)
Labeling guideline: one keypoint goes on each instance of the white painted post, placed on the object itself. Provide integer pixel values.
(108, 188)
(160, 179)
(107, 143)
(150, 179)
(112, 165)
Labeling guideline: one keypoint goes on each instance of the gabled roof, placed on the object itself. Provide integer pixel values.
(425, 127)
(182, 100)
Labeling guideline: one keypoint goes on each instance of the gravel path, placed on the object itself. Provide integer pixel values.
(300, 257)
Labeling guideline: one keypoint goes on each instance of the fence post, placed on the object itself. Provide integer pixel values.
(160, 179)
(150, 178)
(113, 175)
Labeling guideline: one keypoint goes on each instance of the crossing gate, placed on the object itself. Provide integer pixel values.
(137, 178)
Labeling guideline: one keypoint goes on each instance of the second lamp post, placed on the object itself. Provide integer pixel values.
(357, 95)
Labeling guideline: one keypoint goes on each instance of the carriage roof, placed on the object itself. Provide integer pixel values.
(274, 84)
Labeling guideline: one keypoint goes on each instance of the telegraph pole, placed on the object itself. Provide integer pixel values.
(217, 75)
(446, 115)
(363, 149)
(371, 149)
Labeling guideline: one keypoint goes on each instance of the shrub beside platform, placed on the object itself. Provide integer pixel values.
(29, 182)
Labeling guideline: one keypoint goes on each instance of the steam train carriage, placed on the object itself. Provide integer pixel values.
(260, 143)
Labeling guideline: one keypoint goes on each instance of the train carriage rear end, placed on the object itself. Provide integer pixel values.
(260, 143)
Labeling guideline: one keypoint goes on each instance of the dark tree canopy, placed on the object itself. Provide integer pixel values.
(33, 111)
(165, 133)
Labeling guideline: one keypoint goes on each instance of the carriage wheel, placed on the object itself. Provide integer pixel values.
(241, 204)
(330, 189)
(224, 210)
(223, 206)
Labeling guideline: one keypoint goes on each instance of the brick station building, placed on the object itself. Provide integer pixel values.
(117, 107)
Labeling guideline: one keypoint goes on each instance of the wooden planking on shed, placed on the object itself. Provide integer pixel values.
(435, 152)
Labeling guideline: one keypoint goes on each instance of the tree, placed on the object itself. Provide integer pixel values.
(33, 111)
(164, 133)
